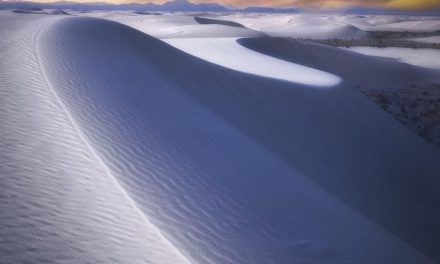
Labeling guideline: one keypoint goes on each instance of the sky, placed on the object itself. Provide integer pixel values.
(398, 4)
(401, 4)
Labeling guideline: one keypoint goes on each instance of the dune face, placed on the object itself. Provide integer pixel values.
(433, 39)
(420, 57)
(299, 26)
(378, 73)
(181, 26)
(224, 52)
(215, 194)
(355, 69)
(407, 92)
(120, 148)
(58, 201)
(333, 25)
(202, 20)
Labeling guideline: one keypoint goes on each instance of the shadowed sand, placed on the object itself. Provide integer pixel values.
(221, 166)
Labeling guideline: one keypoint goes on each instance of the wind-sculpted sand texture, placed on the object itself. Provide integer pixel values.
(58, 201)
(120, 148)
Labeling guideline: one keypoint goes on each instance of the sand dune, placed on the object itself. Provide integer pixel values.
(329, 26)
(356, 69)
(228, 53)
(298, 26)
(433, 39)
(429, 58)
(181, 26)
(124, 149)
(59, 202)
(203, 21)
(390, 22)
(423, 25)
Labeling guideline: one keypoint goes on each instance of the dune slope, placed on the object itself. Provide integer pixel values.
(355, 69)
(197, 147)
(59, 203)
(228, 53)
(202, 163)
(182, 26)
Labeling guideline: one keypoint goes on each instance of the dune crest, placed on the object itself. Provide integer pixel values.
(144, 153)
(198, 174)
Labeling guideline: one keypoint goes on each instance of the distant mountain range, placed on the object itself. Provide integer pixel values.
(171, 6)
(178, 5)
(187, 6)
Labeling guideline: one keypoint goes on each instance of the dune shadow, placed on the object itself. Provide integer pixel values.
(352, 67)
(132, 89)
(203, 21)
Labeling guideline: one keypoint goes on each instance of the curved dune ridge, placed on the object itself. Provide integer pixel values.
(143, 153)
(203, 20)
(58, 202)
(354, 68)
(428, 58)
(298, 26)
(180, 26)
(228, 53)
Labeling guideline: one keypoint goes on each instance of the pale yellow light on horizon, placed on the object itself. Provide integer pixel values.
(411, 4)
(402, 4)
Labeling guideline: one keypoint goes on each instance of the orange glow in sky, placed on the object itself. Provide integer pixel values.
(417, 4)
(403, 4)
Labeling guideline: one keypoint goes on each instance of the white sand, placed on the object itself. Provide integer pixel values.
(117, 147)
(228, 53)
(433, 39)
(428, 58)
